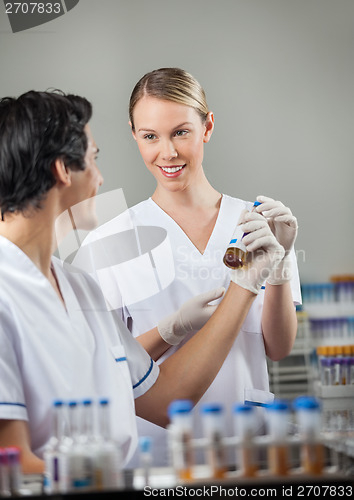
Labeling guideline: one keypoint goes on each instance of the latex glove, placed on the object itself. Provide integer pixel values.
(264, 252)
(280, 219)
(284, 227)
(190, 317)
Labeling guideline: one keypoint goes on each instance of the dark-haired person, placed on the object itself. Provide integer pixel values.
(57, 339)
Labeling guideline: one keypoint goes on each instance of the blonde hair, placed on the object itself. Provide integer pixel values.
(171, 84)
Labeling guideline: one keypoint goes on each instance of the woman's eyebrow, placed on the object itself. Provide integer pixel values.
(142, 129)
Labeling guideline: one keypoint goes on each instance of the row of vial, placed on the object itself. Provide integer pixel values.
(336, 364)
(332, 328)
(246, 445)
(324, 293)
(80, 455)
(10, 472)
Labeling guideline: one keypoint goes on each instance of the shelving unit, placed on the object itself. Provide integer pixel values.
(293, 375)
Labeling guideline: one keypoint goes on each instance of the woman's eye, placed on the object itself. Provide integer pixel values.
(149, 136)
(179, 133)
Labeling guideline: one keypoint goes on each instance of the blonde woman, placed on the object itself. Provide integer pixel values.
(171, 122)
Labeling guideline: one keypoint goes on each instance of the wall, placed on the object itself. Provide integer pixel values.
(279, 77)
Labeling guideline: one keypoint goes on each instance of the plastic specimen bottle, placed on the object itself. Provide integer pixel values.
(244, 427)
(213, 428)
(278, 414)
(236, 253)
(309, 419)
(51, 455)
(180, 435)
(108, 458)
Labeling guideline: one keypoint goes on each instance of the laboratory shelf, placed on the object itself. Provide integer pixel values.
(335, 391)
(288, 369)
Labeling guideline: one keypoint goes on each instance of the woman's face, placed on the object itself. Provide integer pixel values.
(170, 137)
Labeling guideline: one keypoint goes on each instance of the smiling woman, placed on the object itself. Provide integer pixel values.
(170, 137)
(171, 122)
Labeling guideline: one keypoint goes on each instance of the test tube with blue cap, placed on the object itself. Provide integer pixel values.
(145, 455)
(236, 253)
(109, 460)
(245, 428)
(278, 414)
(180, 435)
(213, 427)
(309, 419)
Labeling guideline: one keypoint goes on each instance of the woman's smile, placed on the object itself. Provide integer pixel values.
(172, 172)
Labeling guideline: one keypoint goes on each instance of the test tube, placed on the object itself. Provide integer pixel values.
(213, 426)
(180, 435)
(308, 415)
(14, 468)
(321, 352)
(236, 254)
(244, 427)
(327, 371)
(278, 414)
(145, 455)
(351, 371)
(4, 474)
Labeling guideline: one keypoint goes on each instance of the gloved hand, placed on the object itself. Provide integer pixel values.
(190, 317)
(284, 227)
(264, 252)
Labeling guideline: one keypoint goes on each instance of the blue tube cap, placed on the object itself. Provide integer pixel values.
(211, 408)
(145, 444)
(306, 403)
(180, 406)
(242, 408)
(278, 405)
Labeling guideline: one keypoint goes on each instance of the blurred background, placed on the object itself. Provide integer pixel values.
(278, 74)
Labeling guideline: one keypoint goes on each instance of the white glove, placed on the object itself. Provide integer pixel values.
(264, 252)
(190, 317)
(284, 227)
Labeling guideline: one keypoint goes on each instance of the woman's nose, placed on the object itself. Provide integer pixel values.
(169, 151)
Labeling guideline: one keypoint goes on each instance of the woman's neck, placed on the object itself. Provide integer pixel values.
(199, 195)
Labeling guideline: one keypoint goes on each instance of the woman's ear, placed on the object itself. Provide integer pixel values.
(131, 128)
(61, 173)
(209, 126)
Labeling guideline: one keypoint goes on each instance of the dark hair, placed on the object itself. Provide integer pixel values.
(171, 84)
(36, 129)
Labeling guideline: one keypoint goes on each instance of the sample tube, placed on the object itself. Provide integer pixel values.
(244, 427)
(278, 414)
(213, 427)
(351, 371)
(327, 371)
(14, 468)
(236, 253)
(308, 415)
(81, 455)
(145, 456)
(180, 435)
(321, 352)
(52, 454)
(4, 474)
(108, 460)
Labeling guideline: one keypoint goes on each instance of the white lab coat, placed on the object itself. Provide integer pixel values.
(49, 352)
(163, 272)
